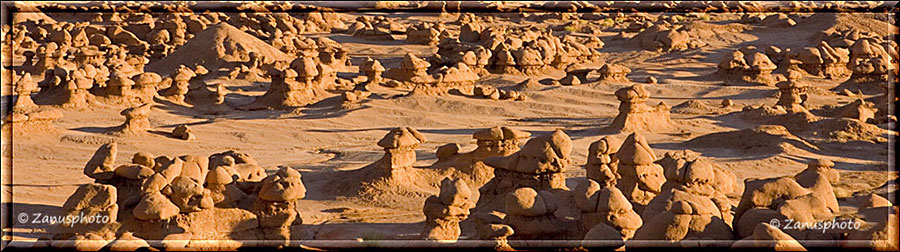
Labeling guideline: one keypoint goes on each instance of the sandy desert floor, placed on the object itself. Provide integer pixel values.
(322, 141)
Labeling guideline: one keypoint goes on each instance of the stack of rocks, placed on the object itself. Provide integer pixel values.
(530, 214)
(444, 212)
(277, 203)
(641, 178)
(602, 164)
(399, 150)
(605, 212)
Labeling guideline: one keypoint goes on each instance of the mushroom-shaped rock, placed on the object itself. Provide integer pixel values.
(372, 68)
(635, 115)
(136, 119)
(399, 145)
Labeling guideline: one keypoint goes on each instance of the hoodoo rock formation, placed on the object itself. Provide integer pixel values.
(137, 120)
(789, 129)
(605, 212)
(641, 178)
(602, 164)
(806, 197)
(539, 165)
(869, 62)
(444, 211)
(531, 214)
(299, 85)
(634, 115)
(492, 142)
(750, 67)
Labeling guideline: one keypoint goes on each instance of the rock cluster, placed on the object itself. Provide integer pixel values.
(845, 38)
(539, 165)
(412, 69)
(676, 163)
(823, 60)
(332, 54)
(522, 51)
(662, 38)
(870, 62)
(270, 24)
(490, 92)
(78, 61)
(413, 73)
(498, 142)
(692, 209)
(426, 33)
(250, 70)
(806, 197)
(492, 142)
(452, 51)
(181, 201)
(68, 88)
(378, 28)
(181, 83)
(747, 66)
(302, 83)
